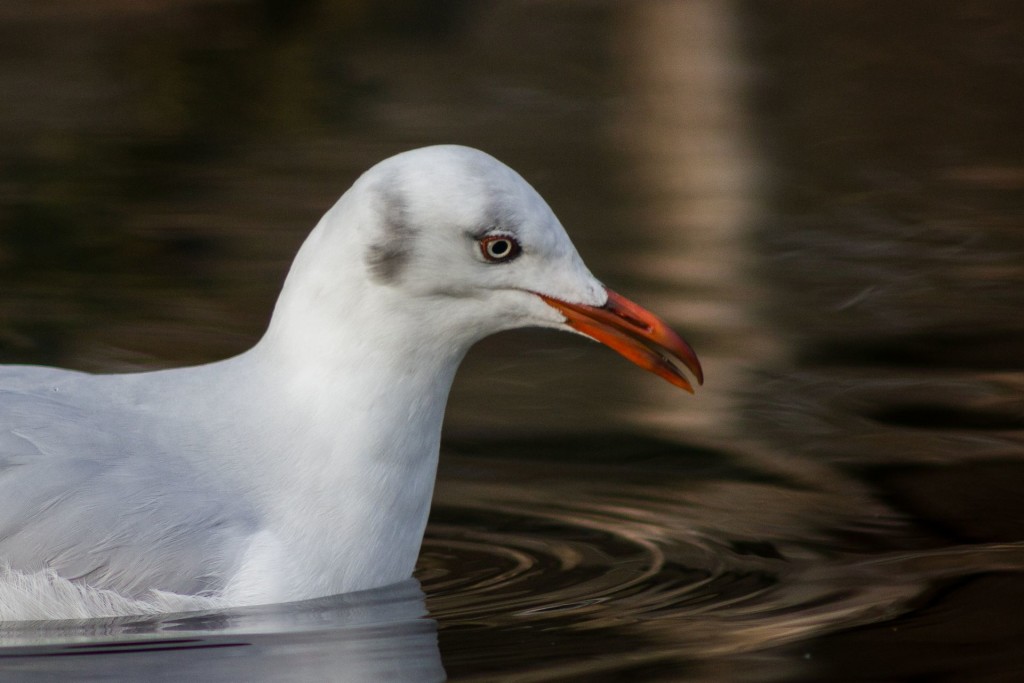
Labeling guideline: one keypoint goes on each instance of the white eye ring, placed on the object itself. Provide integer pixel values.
(499, 248)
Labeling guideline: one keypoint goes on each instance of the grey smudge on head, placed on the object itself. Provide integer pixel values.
(393, 244)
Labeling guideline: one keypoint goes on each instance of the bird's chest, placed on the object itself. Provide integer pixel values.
(349, 519)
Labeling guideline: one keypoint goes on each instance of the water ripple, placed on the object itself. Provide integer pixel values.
(662, 568)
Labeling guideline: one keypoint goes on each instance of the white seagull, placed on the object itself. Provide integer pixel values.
(305, 466)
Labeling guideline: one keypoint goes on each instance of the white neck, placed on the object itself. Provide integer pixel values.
(344, 424)
(350, 483)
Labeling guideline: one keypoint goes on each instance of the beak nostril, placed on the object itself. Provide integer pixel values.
(638, 323)
(623, 314)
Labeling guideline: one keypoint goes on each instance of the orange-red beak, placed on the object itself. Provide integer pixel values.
(636, 334)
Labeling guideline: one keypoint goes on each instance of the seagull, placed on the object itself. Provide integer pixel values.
(305, 466)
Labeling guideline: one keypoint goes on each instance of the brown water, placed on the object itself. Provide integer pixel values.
(827, 198)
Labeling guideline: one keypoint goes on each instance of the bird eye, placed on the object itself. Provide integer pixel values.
(497, 248)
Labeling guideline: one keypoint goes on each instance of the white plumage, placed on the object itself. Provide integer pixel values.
(305, 466)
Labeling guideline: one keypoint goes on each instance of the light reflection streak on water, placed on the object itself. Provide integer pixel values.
(692, 170)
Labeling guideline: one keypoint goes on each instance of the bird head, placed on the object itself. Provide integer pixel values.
(455, 244)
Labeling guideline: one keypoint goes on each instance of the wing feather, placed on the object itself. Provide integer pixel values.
(87, 493)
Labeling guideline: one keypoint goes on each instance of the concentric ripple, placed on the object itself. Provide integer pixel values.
(653, 558)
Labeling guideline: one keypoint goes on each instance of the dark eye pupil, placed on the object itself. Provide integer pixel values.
(499, 248)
